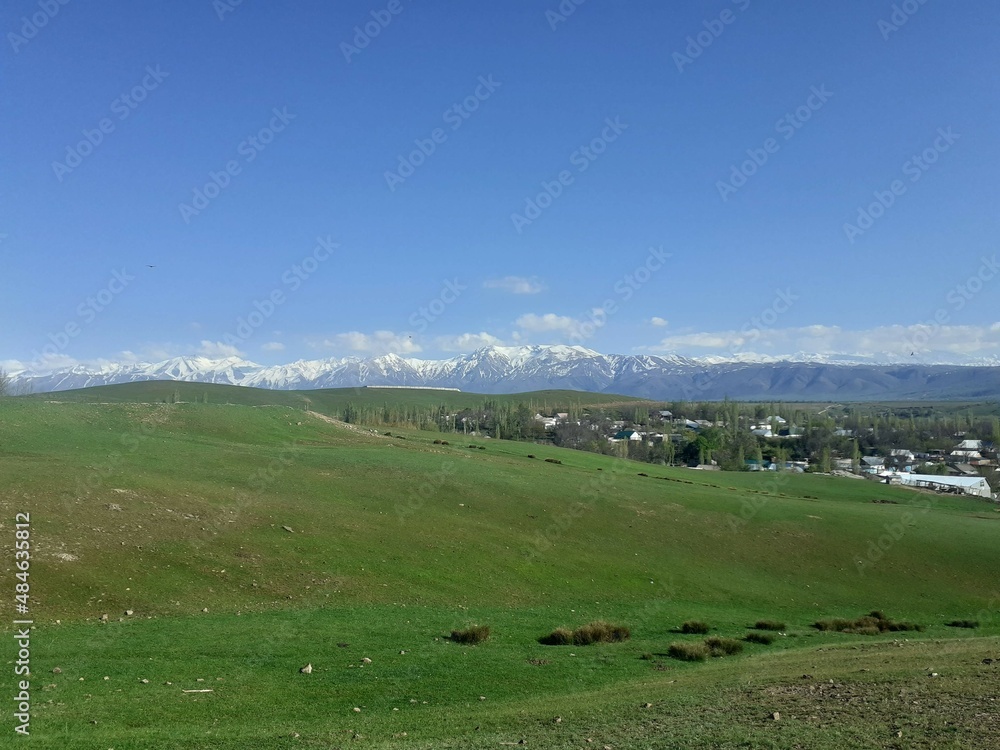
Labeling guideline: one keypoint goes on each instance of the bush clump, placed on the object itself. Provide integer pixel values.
(769, 625)
(963, 624)
(552, 461)
(594, 632)
(688, 651)
(764, 638)
(723, 646)
(873, 623)
(472, 635)
(696, 627)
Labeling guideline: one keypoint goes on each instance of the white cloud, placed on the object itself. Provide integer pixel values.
(379, 342)
(273, 346)
(550, 323)
(900, 340)
(218, 349)
(515, 284)
(466, 342)
(658, 322)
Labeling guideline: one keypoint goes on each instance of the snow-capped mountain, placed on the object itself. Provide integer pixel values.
(500, 369)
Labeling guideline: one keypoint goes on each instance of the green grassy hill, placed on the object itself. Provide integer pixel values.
(169, 510)
(324, 400)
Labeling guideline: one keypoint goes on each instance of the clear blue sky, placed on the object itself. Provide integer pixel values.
(442, 237)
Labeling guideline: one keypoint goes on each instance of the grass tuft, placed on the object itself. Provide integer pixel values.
(873, 623)
(723, 646)
(594, 632)
(769, 625)
(764, 638)
(963, 624)
(472, 635)
(695, 626)
(688, 651)
(558, 637)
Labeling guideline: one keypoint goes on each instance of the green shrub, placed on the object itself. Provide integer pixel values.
(695, 626)
(723, 646)
(471, 635)
(769, 625)
(688, 651)
(765, 638)
(963, 624)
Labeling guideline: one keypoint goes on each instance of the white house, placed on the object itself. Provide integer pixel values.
(970, 445)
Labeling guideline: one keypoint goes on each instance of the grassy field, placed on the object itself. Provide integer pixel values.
(248, 541)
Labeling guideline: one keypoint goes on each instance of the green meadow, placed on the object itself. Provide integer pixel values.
(251, 538)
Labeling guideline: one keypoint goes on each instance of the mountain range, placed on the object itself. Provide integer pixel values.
(499, 369)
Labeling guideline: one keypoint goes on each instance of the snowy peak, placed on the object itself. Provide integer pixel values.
(512, 369)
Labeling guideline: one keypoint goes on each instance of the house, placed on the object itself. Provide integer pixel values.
(665, 414)
(761, 430)
(902, 455)
(562, 416)
(965, 454)
(844, 464)
(844, 433)
(548, 422)
(625, 435)
(970, 445)
(872, 464)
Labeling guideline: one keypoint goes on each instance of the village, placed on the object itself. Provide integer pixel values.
(737, 441)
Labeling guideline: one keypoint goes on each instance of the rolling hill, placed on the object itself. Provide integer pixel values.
(229, 545)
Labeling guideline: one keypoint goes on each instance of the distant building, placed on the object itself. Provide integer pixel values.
(975, 486)
(625, 435)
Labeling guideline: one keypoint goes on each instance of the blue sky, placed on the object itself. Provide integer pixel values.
(318, 179)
